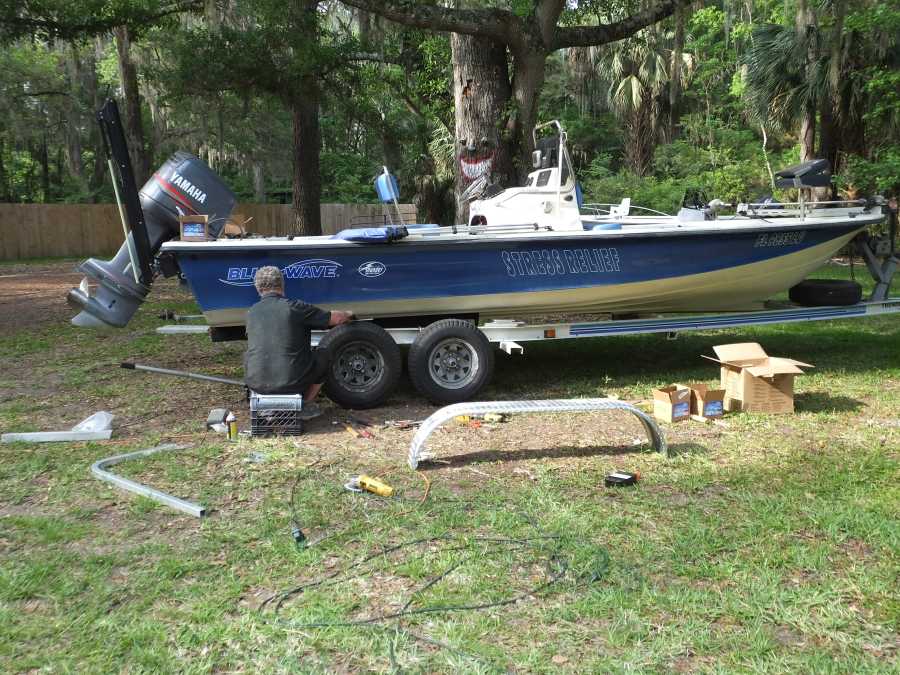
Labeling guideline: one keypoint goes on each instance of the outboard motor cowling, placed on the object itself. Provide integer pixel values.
(184, 185)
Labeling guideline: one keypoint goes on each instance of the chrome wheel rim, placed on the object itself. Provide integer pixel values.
(358, 366)
(453, 363)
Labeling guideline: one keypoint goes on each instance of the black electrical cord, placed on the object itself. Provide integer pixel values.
(554, 561)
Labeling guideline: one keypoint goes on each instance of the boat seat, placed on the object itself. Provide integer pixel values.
(814, 173)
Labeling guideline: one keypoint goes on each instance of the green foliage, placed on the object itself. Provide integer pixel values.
(221, 89)
(880, 175)
(662, 194)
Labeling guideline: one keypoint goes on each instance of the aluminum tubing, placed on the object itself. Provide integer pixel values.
(99, 469)
(181, 373)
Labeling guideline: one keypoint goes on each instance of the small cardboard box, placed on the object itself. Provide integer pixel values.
(195, 228)
(672, 403)
(754, 381)
(706, 402)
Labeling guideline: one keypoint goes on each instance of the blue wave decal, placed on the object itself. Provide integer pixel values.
(315, 268)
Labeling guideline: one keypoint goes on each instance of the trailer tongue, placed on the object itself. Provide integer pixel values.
(183, 186)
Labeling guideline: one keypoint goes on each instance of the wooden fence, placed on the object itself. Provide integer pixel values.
(54, 230)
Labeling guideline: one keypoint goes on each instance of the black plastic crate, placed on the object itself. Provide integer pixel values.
(275, 414)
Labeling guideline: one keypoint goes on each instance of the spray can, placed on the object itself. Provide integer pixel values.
(231, 427)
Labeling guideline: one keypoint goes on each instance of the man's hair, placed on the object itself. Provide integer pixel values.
(268, 279)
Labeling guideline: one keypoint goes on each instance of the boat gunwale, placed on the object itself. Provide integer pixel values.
(537, 236)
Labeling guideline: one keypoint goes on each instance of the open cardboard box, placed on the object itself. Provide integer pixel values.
(672, 403)
(754, 381)
(706, 401)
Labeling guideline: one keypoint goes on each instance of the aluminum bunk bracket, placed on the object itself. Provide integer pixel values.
(546, 406)
(99, 469)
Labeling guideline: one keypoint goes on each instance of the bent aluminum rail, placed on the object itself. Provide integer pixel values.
(544, 406)
(99, 469)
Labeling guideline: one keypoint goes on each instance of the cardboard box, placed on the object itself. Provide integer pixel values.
(754, 381)
(672, 403)
(705, 401)
(195, 228)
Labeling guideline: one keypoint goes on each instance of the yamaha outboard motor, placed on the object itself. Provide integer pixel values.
(184, 185)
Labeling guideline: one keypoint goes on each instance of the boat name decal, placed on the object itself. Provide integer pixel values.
(560, 261)
(372, 268)
(188, 188)
(316, 268)
(779, 238)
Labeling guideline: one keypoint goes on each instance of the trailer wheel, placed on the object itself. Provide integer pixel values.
(450, 361)
(365, 365)
(825, 293)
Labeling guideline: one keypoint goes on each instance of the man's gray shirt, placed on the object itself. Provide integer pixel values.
(278, 354)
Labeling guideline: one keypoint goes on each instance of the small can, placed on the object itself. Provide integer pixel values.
(231, 427)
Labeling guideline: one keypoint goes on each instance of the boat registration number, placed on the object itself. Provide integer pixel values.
(779, 238)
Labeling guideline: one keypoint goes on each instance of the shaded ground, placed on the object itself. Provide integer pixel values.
(767, 543)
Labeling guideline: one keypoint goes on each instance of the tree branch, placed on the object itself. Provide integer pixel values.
(497, 24)
(72, 25)
(587, 36)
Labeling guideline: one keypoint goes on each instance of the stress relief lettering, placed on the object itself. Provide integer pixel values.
(552, 262)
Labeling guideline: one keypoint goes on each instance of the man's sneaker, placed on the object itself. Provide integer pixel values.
(310, 410)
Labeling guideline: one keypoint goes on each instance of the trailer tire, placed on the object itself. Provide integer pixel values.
(825, 293)
(364, 365)
(450, 361)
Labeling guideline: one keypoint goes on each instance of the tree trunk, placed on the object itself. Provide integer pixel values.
(92, 93)
(44, 160)
(259, 182)
(364, 20)
(640, 139)
(134, 126)
(481, 96)
(74, 119)
(528, 79)
(307, 181)
(808, 135)
(4, 181)
(805, 26)
(828, 141)
(582, 77)
(680, 17)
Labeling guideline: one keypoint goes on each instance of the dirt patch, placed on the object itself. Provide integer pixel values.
(33, 299)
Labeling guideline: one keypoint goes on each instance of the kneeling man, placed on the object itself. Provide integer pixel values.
(279, 359)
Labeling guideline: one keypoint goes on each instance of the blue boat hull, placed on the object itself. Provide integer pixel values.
(514, 277)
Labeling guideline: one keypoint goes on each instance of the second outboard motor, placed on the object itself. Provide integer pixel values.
(184, 185)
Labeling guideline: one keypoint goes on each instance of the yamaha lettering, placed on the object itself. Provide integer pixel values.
(188, 188)
(546, 262)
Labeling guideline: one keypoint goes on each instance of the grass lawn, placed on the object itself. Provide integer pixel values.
(768, 544)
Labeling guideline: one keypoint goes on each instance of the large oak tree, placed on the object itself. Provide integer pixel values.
(529, 36)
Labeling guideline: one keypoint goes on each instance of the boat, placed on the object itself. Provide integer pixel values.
(525, 251)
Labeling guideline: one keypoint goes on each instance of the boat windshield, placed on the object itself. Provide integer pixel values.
(551, 158)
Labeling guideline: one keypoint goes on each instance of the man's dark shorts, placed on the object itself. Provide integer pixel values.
(321, 359)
